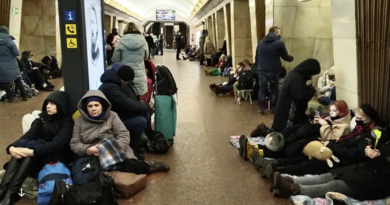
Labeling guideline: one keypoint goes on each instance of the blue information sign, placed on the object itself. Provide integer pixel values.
(70, 15)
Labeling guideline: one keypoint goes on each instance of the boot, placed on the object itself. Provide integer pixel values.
(270, 172)
(285, 187)
(267, 162)
(212, 86)
(217, 90)
(12, 168)
(12, 196)
(260, 130)
(257, 158)
(243, 150)
(158, 167)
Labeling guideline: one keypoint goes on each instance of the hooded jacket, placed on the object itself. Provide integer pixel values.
(88, 132)
(295, 95)
(53, 133)
(133, 50)
(324, 89)
(335, 128)
(124, 101)
(25, 64)
(9, 70)
(268, 54)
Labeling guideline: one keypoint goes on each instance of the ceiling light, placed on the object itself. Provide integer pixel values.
(303, 0)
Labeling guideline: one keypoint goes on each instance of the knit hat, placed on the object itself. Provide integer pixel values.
(126, 73)
(93, 98)
(371, 113)
(4, 29)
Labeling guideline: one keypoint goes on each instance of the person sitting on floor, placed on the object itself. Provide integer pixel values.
(118, 87)
(217, 71)
(46, 141)
(326, 89)
(97, 123)
(35, 71)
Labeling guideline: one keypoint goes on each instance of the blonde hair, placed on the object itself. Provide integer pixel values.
(246, 62)
(131, 28)
(222, 56)
(359, 111)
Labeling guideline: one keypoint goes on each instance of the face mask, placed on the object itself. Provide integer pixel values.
(335, 118)
(240, 69)
(29, 59)
(359, 122)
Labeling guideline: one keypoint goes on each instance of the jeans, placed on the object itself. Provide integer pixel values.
(161, 49)
(135, 166)
(273, 79)
(178, 50)
(319, 185)
(136, 126)
(328, 100)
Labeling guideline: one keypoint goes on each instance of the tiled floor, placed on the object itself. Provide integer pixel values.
(205, 168)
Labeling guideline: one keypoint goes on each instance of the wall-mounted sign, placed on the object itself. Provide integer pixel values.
(15, 10)
(70, 29)
(165, 15)
(70, 15)
(71, 42)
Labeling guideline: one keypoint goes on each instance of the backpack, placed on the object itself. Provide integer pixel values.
(47, 178)
(157, 144)
(245, 81)
(92, 185)
(166, 84)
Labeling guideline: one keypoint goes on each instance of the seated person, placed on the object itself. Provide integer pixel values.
(46, 141)
(326, 89)
(369, 181)
(217, 57)
(217, 70)
(295, 95)
(349, 148)
(35, 71)
(117, 86)
(97, 122)
(51, 62)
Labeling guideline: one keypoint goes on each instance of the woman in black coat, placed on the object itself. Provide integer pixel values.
(46, 141)
(35, 71)
(295, 95)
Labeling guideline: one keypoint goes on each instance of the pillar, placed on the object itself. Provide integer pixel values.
(15, 20)
(241, 31)
(269, 15)
(228, 26)
(257, 18)
(58, 38)
(344, 47)
(220, 27)
(5, 8)
(122, 26)
(114, 23)
(107, 23)
(214, 32)
(210, 29)
(38, 28)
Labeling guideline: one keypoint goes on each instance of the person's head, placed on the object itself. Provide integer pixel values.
(246, 63)
(331, 74)
(94, 106)
(276, 30)
(114, 31)
(56, 104)
(131, 28)
(51, 108)
(240, 65)
(308, 68)
(366, 114)
(222, 58)
(126, 73)
(338, 108)
(27, 55)
(4, 29)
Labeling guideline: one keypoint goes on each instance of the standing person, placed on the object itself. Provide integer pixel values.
(9, 68)
(133, 50)
(208, 50)
(161, 44)
(179, 45)
(201, 48)
(268, 54)
(149, 40)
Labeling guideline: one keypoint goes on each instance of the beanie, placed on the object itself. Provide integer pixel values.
(93, 98)
(126, 73)
(371, 113)
(4, 29)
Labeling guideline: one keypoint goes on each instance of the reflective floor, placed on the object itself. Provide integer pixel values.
(205, 168)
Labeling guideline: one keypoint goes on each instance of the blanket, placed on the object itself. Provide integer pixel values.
(234, 140)
(331, 196)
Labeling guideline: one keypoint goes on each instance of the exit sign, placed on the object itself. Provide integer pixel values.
(15, 10)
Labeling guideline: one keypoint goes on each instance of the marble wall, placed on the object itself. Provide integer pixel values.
(344, 46)
(253, 23)
(228, 26)
(220, 28)
(16, 20)
(58, 38)
(241, 31)
(210, 29)
(269, 14)
(38, 28)
(306, 30)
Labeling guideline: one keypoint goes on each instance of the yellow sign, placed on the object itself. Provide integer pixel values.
(71, 42)
(70, 29)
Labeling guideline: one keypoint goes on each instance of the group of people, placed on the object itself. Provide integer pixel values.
(114, 112)
(24, 73)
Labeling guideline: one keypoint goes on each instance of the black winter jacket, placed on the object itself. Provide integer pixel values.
(25, 65)
(268, 54)
(295, 95)
(122, 96)
(53, 133)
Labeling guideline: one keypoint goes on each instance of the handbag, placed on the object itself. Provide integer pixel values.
(128, 184)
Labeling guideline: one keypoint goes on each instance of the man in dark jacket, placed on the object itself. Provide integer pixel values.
(179, 45)
(268, 54)
(295, 95)
(161, 44)
(117, 87)
(149, 40)
(35, 71)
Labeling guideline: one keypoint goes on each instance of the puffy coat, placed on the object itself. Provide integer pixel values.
(208, 48)
(9, 68)
(295, 95)
(133, 50)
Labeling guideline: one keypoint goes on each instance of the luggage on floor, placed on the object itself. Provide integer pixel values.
(165, 115)
(157, 144)
(128, 184)
(47, 178)
(245, 81)
(166, 84)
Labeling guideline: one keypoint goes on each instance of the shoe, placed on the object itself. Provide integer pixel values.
(48, 89)
(217, 90)
(12, 196)
(243, 146)
(269, 172)
(158, 167)
(257, 158)
(212, 86)
(140, 157)
(206, 72)
(266, 162)
(284, 185)
(259, 130)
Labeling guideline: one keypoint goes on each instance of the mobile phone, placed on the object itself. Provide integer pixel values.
(369, 143)
(317, 113)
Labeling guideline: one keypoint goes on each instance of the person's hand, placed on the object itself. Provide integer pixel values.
(35, 68)
(93, 150)
(325, 143)
(332, 83)
(322, 122)
(371, 153)
(16, 153)
(151, 104)
(26, 152)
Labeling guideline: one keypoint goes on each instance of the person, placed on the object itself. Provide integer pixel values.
(326, 89)
(149, 40)
(46, 141)
(295, 95)
(98, 122)
(268, 54)
(9, 68)
(35, 71)
(161, 44)
(179, 45)
(202, 39)
(118, 87)
(133, 50)
(208, 50)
